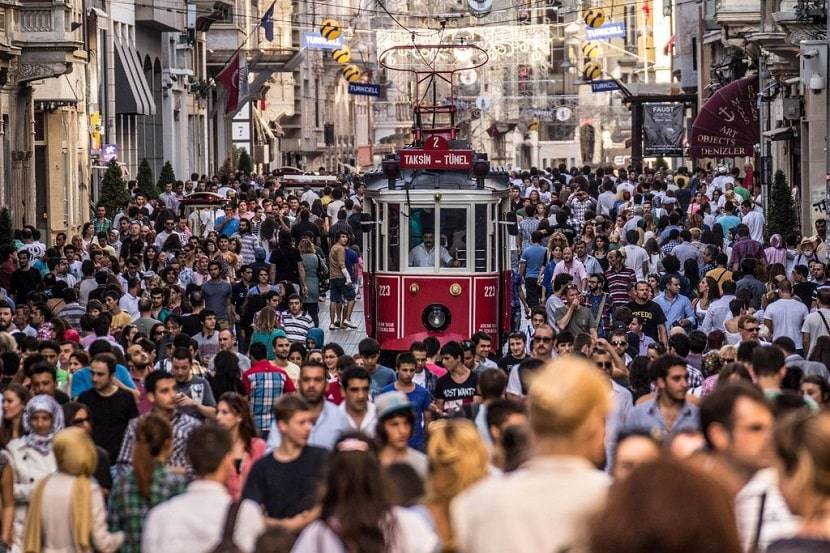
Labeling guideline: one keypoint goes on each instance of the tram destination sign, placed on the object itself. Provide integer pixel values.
(436, 159)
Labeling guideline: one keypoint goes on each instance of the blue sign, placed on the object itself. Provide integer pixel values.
(614, 29)
(315, 41)
(361, 89)
(604, 86)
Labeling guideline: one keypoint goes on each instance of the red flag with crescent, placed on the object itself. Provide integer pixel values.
(230, 79)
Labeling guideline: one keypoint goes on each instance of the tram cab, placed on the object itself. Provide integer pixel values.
(437, 258)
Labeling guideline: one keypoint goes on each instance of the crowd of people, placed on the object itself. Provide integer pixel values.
(167, 384)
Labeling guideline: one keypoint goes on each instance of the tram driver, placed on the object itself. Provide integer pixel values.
(423, 255)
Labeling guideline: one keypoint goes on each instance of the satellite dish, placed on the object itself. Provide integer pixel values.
(480, 8)
(468, 78)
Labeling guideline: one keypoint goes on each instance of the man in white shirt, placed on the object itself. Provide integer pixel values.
(607, 199)
(817, 323)
(719, 181)
(361, 414)
(194, 520)
(542, 505)
(785, 316)
(423, 255)
(754, 220)
(636, 257)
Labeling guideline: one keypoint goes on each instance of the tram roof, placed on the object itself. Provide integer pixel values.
(420, 179)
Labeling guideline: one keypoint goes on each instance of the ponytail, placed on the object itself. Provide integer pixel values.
(153, 433)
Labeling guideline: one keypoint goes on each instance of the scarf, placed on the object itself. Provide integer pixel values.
(776, 253)
(42, 403)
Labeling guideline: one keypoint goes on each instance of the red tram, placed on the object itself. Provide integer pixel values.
(437, 260)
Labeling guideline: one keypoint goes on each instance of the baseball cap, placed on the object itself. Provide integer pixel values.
(391, 403)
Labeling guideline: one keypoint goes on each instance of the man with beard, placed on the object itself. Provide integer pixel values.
(138, 362)
(669, 412)
(737, 423)
(6, 324)
(329, 421)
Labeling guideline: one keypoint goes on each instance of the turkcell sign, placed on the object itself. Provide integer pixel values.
(604, 86)
(361, 89)
(436, 159)
(614, 29)
(315, 41)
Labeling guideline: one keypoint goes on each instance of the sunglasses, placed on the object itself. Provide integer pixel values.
(752, 329)
(80, 420)
(545, 339)
(620, 344)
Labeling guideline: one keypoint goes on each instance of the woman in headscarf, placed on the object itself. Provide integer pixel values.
(30, 458)
(70, 491)
(777, 251)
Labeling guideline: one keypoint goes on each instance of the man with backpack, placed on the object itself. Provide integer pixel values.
(205, 519)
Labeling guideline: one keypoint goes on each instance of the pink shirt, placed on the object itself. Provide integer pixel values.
(236, 482)
(576, 269)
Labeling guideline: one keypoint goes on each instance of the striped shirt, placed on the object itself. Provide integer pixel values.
(72, 313)
(296, 327)
(618, 283)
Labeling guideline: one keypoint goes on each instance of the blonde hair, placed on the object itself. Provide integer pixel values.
(564, 395)
(75, 455)
(458, 459)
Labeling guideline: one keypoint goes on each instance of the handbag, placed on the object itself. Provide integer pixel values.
(226, 544)
(322, 268)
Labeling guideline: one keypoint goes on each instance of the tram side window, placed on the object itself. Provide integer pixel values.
(454, 237)
(421, 237)
(393, 258)
(481, 231)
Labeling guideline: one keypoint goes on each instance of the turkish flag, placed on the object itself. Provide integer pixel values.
(230, 78)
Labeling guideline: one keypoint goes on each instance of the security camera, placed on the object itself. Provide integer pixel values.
(809, 54)
(816, 83)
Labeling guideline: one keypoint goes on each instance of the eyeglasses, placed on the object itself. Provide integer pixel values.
(545, 339)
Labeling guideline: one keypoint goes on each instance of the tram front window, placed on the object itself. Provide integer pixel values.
(454, 235)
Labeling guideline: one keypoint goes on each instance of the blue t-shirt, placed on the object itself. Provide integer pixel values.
(727, 223)
(230, 229)
(82, 380)
(381, 378)
(534, 258)
(421, 399)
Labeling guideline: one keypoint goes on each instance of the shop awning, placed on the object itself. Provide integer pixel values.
(132, 93)
(727, 124)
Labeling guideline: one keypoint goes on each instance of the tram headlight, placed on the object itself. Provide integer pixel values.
(436, 317)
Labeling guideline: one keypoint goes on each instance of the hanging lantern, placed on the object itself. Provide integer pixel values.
(591, 71)
(342, 55)
(351, 73)
(591, 50)
(594, 18)
(330, 29)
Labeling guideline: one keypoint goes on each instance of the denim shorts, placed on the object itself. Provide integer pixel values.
(340, 291)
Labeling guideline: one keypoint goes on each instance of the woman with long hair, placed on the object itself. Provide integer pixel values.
(148, 484)
(707, 292)
(802, 445)
(15, 397)
(356, 512)
(600, 250)
(67, 511)
(227, 377)
(314, 264)
(267, 327)
(233, 413)
(458, 459)
(29, 459)
(821, 351)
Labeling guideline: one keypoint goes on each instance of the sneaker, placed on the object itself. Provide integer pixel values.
(334, 326)
(349, 324)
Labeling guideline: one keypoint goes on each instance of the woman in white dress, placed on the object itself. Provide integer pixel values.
(29, 459)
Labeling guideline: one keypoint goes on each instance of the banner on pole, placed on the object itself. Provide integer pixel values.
(663, 129)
